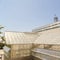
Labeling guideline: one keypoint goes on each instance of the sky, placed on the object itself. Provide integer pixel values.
(25, 15)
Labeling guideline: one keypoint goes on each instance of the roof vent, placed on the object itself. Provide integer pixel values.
(56, 19)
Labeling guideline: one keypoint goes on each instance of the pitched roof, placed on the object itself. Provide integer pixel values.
(49, 37)
(49, 34)
(47, 27)
(19, 37)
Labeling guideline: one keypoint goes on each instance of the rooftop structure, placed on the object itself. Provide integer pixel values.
(56, 19)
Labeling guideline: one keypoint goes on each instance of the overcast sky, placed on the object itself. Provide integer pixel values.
(25, 15)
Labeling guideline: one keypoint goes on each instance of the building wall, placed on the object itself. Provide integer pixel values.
(55, 47)
(21, 50)
(47, 46)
